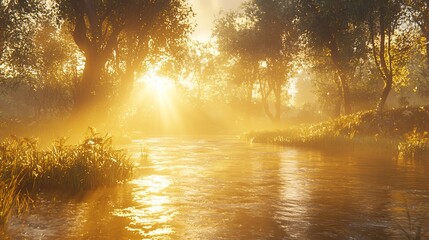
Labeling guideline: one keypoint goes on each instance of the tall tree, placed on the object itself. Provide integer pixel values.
(263, 39)
(101, 27)
(235, 41)
(20, 22)
(332, 28)
(278, 39)
(389, 43)
(37, 60)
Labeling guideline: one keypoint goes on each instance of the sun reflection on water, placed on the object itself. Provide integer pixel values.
(152, 212)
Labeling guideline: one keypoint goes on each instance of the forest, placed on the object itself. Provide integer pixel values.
(268, 62)
(343, 76)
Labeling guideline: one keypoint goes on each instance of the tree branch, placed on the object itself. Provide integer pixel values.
(79, 32)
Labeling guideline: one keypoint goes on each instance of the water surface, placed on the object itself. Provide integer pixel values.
(224, 188)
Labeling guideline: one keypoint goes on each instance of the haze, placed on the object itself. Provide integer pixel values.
(204, 119)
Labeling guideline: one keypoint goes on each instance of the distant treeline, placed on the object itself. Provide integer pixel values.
(66, 58)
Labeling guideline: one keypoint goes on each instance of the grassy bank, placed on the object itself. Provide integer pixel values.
(402, 129)
(25, 168)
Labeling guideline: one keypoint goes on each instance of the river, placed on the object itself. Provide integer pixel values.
(223, 188)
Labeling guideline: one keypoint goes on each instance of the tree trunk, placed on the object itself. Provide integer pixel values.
(426, 35)
(278, 106)
(85, 98)
(338, 104)
(345, 89)
(127, 84)
(385, 94)
(97, 47)
(267, 111)
(424, 28)
(345, 92)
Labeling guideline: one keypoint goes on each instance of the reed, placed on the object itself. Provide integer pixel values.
(92, 163)
(415, 146)
(415, 227)
(12, 198)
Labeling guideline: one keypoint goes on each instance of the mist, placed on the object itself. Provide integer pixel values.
(244, 119)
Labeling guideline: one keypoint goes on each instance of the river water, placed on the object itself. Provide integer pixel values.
(224, 188)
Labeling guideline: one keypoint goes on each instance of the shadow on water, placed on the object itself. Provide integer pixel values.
(220, 187)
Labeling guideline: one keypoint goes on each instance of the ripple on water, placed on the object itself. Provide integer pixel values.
(217, 188)
(152, 211)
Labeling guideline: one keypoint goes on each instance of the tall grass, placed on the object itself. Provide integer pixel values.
(415, 146)
(416, 224)
(92, 163)
(11, 198)
(363, 131)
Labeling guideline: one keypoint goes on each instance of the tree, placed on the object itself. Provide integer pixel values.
(389, 43)
(364, 86)
(262, 38)
(38, 60)
(103, 29)
(419, 10)
(333, 29)
(235, 41)
(5, 7)
(278, 39)
(17, 27)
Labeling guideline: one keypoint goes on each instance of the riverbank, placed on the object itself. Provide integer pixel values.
(26, 169)
(402, 131)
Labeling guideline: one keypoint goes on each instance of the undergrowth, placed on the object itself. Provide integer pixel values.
(403, 131)
(25, 168)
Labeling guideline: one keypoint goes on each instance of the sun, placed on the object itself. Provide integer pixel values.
(157, 86)
(161, 95)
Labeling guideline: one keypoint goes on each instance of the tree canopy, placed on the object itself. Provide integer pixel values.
(127, 31)
(85, 58)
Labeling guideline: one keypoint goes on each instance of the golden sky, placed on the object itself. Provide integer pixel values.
(206, 11)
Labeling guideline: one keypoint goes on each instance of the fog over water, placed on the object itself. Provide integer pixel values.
(223, 188)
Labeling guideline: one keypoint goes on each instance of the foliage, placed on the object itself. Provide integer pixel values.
(261, 42)
(90, 164)
(24, 167)
(38, 65)
(389, 43)
(123, 34)
(415, 146)
(364, 87)
(11, 197)
(46, 72)
(370, 128)
(419, 15)
(332, 29)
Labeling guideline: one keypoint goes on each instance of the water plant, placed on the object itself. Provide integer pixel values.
(415, 146)
(11, 198)
(92, 163)
(414, 229)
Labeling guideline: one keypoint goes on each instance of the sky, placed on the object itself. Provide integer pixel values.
(206, 11)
